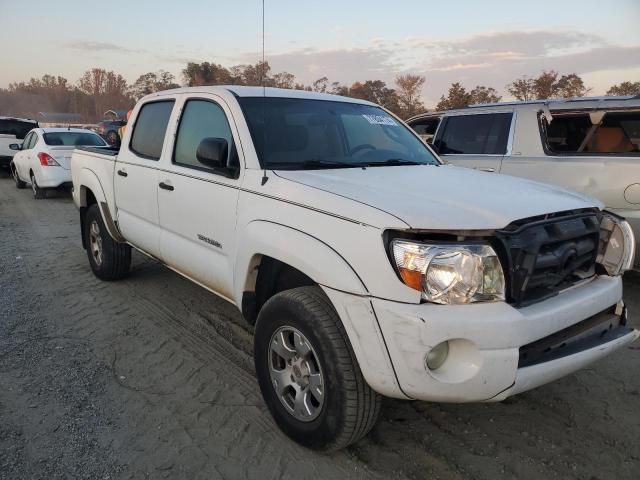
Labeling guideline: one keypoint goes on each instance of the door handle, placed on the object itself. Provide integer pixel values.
(489, 169)
(122, 173)
(166, 186)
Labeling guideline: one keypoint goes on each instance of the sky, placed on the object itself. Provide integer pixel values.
(490, 42)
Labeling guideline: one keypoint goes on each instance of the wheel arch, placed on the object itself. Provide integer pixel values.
(90, 192)
(266, 265)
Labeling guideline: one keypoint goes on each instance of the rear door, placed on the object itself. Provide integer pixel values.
(198, 203)
(136, 176)
(601, 159)
(475, 140)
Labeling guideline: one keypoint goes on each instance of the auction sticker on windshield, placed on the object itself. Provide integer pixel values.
(380, 120)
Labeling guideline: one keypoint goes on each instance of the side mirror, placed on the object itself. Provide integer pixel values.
(15, 146)
(213, 152)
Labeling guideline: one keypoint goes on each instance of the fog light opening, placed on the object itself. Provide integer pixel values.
(437, 356)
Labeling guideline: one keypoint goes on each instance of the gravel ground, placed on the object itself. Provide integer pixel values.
(151, 377)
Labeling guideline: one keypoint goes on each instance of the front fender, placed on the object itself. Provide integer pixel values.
(316, 259)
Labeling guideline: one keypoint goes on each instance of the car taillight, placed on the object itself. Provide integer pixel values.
(47, 160)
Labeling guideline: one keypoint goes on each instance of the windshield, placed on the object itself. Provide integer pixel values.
(17, 128)
(73, 139)
(296, 134)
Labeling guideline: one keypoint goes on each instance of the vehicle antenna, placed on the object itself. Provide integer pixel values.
(264, 95)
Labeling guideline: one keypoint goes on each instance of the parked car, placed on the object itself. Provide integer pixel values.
(43, 159)
(108, 129)
(591, 145)
(368, 267)
(12, 131)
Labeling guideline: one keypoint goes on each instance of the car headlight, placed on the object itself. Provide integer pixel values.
(617, 244)
(450, 274)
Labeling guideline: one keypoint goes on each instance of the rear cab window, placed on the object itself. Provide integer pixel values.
(575, 133)
(149, 129)
(73, 139)
(474, 134)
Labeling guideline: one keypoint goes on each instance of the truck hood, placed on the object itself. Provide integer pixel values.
(443, 197)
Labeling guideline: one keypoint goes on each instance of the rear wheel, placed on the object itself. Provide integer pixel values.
(109, 259)
(38, 192)
(308, 373)
(16, 178)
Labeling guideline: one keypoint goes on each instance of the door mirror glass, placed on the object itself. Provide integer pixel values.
(14, 146)
(213, 152)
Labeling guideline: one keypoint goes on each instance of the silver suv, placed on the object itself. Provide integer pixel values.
(590, 145)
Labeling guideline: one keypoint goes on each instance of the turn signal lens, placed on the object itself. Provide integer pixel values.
(47, 160)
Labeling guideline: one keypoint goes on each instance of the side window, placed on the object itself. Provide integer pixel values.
(30, 141)
(569, 134)
(200, 119)
(150, 128)
(426, 128)
(480, 134)
(25, 143)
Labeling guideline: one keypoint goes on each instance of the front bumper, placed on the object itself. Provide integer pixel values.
(485, 341)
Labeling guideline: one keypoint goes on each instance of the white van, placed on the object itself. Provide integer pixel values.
(590, 145)
(13, 130)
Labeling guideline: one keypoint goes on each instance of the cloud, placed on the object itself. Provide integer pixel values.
(491, 59)
(97, 46)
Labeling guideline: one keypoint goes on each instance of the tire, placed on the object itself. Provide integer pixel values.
(38, 193)
(348, 408)
(19, 183)
(109, 259)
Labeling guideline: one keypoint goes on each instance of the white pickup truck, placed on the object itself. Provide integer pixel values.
(368, 267)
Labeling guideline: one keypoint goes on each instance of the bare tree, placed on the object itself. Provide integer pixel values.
(625, 88)
(152, 82)
(482, 94)
(409, 93)
(548, 85)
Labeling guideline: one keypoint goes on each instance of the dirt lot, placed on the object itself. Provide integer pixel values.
(151, 377)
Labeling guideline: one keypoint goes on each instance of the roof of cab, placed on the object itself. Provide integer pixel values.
(243, 91)
(554, 104)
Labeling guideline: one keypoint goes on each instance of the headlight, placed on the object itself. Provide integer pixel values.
(450, 274)
(617, 244)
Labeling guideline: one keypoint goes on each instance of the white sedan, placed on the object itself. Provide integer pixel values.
(43, 159)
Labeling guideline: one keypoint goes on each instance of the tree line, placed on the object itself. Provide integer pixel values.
(98, 90)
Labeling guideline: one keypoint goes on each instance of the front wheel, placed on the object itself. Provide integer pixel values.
(109, 259)
(308, 373)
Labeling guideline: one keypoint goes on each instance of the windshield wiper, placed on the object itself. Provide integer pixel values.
(390, 162)
(312, 164)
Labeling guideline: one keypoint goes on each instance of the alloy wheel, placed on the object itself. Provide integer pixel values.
(296, 374)
(95, 241)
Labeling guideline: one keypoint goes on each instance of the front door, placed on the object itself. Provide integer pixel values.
(136, 177)
(197, 202)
